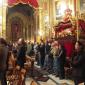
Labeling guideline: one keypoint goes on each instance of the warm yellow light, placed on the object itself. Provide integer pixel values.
(72, 8)
(63, 7)
(0, 26)
(0, 19)
(46, 19)
(40, 33)
(68, 31)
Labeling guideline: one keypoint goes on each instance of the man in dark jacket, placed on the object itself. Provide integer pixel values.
(42, 53)
(3, 61)
(21, 52)
(47, 52)
(61, 61)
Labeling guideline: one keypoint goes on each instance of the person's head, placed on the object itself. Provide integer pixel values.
(3, 41)
(78, 46)
(21, 41)
(55, 44)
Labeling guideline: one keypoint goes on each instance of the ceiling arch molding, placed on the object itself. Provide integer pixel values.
(24, 23)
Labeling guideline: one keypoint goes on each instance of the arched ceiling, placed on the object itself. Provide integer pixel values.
(21, 8)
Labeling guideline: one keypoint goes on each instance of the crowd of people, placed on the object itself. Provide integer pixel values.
(50, 55)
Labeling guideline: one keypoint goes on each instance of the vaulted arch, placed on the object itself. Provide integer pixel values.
(20, 22)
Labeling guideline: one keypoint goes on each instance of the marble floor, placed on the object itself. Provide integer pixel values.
(50, 82)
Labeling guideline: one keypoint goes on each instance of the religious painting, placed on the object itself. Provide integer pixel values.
(16, 28)
(82, 5)
(57, 10)
(60, 7)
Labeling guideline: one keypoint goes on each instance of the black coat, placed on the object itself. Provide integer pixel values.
(78, 65)
(47, 48)
(42, 50)
(3, 57)
(62, 56)
(21, 55)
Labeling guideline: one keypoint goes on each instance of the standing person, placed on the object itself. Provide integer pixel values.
(47, 52)
(61, 61)
(54, 51)
(29, 48)
(78, 63)
(35, 48)
(21, 52)
(42, 53)
(3, 61)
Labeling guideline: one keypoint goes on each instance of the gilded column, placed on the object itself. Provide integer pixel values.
(4, 8)
(77, 14)
(1, 19)
(54, 12)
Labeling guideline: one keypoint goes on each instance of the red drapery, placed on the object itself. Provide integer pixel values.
(69, 46)
(81, 24)
(33, 3)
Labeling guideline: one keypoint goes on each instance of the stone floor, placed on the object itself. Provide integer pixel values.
(52, 81)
